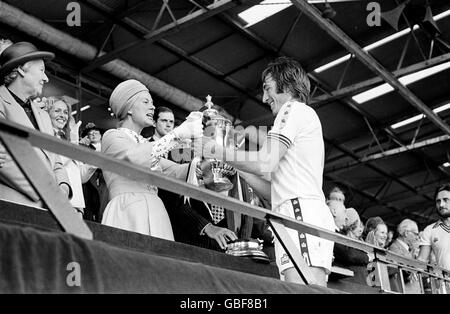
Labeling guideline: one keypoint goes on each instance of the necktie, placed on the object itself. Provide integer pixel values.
(218, 213)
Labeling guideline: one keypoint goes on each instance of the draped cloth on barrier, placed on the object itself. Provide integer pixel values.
(33, 261)
(12, 213)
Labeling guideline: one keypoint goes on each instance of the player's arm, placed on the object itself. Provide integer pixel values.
(260, 185)
(262, 162)
(424, 253)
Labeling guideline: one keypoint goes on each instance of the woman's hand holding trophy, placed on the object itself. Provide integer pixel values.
(191, 128)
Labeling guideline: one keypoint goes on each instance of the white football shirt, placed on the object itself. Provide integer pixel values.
(299, 172)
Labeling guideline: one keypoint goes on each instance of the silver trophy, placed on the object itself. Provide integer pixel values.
(221, 131)
(252, 248)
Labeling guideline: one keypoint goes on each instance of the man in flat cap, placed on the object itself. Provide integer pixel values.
(22, 75)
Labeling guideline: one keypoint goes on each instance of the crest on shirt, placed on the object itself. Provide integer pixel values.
(284, 115)
(284, 259)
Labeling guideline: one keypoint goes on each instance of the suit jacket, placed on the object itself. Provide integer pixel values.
(13, 184)
(95, 194)
(397, 248)
(411, 282)
(189, 219)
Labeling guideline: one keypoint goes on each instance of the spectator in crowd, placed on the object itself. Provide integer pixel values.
(390, 237)
(404, 245)
(164, 122)
(66, 129)
(335, 202)
(22, 74)
(94, 190)
(134, 205)
(92, 137)
(353, 226)
(348, 257)
(338, 211)
(377, 233)
(371, 224)
(407, 239)
(336, 194)
(436, 237)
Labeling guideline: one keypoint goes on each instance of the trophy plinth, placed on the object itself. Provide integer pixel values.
(247, 248)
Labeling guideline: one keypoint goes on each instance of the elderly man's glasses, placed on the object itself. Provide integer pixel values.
(413, 232)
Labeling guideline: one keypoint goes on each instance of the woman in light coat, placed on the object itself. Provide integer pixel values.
(134, 205)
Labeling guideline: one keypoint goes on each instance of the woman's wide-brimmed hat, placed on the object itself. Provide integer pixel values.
(18, 54)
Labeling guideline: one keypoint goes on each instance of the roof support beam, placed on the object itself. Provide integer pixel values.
(377, 169)
(399, 150)
(321, 100)
(95, 89)
(430, 186)
(32, 26)
(141, 31)
(154, 35)
(391, 152)
(335, 32)
(352, 104)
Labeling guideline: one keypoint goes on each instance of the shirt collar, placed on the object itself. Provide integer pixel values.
(441, 224)
(59, 133)
(98, 146)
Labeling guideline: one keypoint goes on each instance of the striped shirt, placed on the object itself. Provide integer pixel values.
(437, 235)
(299, 173)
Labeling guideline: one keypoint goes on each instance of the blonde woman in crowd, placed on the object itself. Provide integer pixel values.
(65, 128)
(376, 232)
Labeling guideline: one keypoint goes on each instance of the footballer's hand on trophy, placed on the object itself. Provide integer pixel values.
(2, 158)
(227, 169)
(191, 128)
(206, 166)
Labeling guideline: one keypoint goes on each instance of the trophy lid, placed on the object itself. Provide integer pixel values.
(210, 112)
